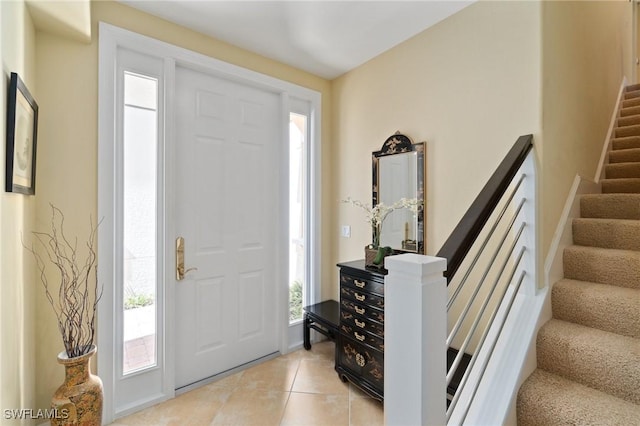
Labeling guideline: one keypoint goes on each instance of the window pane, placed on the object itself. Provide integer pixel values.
(140, 223)
(297, 213)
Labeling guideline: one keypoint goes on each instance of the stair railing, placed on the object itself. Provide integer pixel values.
(491, 256)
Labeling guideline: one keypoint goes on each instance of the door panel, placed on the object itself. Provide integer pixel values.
(227, 139)
(209, 313)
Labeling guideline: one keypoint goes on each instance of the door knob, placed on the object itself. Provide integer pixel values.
(180, 271)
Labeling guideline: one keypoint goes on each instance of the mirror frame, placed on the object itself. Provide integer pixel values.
(401, 144)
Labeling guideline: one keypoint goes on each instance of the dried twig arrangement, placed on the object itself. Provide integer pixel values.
(78, 297)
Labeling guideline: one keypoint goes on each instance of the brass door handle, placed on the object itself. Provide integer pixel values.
(180, 271)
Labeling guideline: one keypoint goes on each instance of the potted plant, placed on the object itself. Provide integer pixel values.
(79, 399)
(375, 216)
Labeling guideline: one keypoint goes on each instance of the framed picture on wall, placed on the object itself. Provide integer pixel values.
(22, 133)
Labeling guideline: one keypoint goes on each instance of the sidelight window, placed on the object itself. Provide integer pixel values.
(139, 263)
(298, 214)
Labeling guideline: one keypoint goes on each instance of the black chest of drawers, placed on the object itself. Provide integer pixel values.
(360, 346)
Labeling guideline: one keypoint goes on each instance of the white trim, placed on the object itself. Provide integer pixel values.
(282, 271)
(606, 146)
(106, 132)
(169, 226)
(295, 336)
(634, 41)
(111, 38)
(563, 236)
(315, 206)
(130, 392)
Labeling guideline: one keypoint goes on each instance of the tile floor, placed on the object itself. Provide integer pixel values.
(300, 388)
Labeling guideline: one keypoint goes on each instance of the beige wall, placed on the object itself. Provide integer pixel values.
(17, 213)
(68, 77)
(468, 86)
(586, 51)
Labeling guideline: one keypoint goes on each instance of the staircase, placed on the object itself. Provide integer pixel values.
(589, 353)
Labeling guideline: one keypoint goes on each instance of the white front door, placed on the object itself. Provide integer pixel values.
(221, 183)
(227, 199)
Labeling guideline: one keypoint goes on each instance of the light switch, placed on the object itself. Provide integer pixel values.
(346, 231)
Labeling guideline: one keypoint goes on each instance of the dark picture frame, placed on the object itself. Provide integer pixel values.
(22, 136)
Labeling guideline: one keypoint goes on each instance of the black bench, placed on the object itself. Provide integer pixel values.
(323, 317)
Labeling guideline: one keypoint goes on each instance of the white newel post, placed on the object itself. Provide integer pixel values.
(415, 333)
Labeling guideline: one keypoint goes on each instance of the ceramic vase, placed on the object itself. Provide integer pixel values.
(370, 254)
(78, 401)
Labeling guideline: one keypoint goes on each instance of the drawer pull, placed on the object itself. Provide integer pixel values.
(359, 284)
(359, 310)
(359, 336)
(360, 297)
(360, 324)
(360, 360)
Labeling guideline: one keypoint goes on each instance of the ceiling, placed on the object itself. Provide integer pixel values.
(325, 38)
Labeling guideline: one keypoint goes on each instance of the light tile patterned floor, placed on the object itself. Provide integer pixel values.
(300, 388)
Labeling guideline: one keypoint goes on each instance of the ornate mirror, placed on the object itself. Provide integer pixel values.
(398, 172)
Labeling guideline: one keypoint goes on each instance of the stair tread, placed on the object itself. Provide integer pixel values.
(623, 234)
(625, 155)
(626, 103)
(599, 359)
(602, 265)
(625, 112)
(626, 142)
(613, 206)
(621, 186)
(632, 94)
(605, 251)
(628, 120)
(602, 306)
(622, 170)
(548, 399)
(633, 130)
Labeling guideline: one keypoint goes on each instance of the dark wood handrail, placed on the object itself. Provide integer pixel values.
(466, 232)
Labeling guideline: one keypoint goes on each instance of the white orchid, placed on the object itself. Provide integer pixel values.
(375, 215)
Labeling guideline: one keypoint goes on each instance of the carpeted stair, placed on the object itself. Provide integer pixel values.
(589, 353)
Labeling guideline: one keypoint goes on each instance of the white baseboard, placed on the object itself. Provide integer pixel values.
(563, 237)
(606, 147)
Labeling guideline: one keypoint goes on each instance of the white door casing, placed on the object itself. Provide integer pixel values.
(227, 201)
(112, 40)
